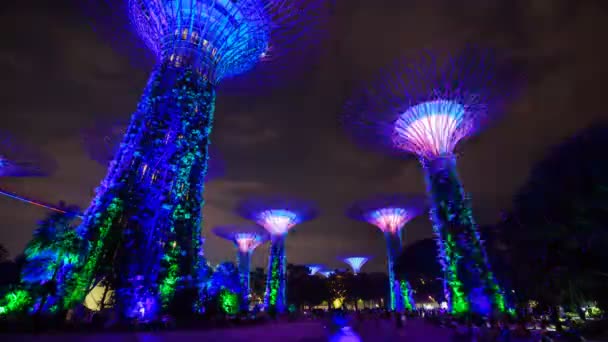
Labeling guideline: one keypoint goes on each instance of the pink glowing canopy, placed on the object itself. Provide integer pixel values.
(389, 212)
(431, 129)
(247, 242)
(277, 221)
(245, 238)
(390, 220)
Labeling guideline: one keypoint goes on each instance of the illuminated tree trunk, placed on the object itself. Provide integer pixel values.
(147, 210)
(469, 284)
(275, 296)
(393, 249)
(244, 259)
(407, 295)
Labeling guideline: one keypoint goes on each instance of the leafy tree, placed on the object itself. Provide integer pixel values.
(556, 237)
(225, 276)
(339, 287)
(304, 289)
(257, 283)
(378, 286)
(50, 257)
(3, 254)
(418, 265)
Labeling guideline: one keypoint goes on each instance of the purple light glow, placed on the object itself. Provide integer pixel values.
(245, 238)
(266, 40)
(221, 37)
(277, 215)
(248, 242)
(356, 263)
(277, 221)
(18, 159)
(314, 269)
(327, 274)
(388, 212)
(431, 129)
(427, 103)
(390, 220)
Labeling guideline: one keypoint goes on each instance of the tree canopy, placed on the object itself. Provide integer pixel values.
(556, 235)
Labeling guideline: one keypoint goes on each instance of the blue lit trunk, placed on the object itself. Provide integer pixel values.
(244, 259)
(145, 217)
(275, 296)
(469, 283)
(393, 249)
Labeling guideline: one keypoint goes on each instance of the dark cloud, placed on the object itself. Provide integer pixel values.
(60, 77)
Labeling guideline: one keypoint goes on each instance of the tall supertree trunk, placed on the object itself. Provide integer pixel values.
(147, 210)
(244, 260)
(275, 296)
(469, 283)
(393, 249)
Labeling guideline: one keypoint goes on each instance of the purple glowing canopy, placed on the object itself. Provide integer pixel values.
(226, 37)
(245, 238)
(314, 268)
(275, 213)
(356, 262)
(388, 212)
(424, 105)
(18, 159)
(101, 141)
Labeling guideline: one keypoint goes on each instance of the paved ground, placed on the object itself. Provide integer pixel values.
(312, 331)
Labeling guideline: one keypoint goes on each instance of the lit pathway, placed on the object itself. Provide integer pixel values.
(312, 331)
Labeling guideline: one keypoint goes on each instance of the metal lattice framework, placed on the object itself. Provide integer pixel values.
(245, 238)
(428, 103)
(356, 263)
(276, 214)
(388, 212)
(18, 159)
(220, 38)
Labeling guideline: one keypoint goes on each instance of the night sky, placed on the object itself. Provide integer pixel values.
(59, 77)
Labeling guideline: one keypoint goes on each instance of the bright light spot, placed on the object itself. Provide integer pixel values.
(389, 220)
(444, 305)
(247, 242)
(233, 34)
(327, 274)
(431, 129)
(314, 269)
(277, 221)
(356, 263)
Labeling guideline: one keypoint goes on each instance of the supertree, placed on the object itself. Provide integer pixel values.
(425, 106)
(314, 268)
(246, 239)
(390, 213)
(327, 273)
(356, 263)
(277, 215)
(149, 203)
(18, 159)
